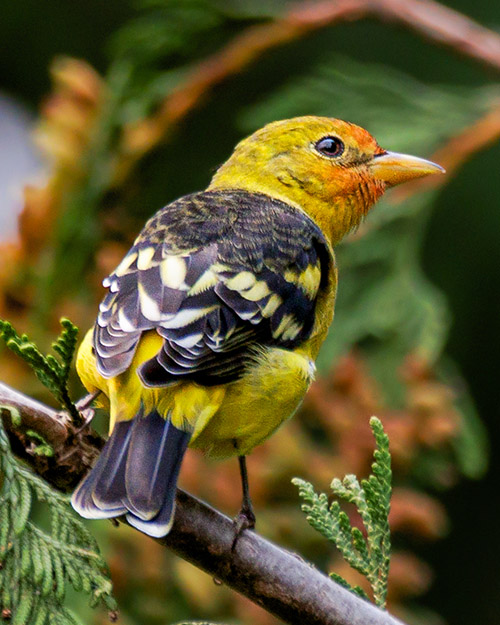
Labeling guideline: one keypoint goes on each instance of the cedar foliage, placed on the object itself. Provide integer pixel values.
(372, 498)
(37, 564)
(52, 372)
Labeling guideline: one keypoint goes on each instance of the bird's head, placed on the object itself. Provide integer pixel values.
(333, 170)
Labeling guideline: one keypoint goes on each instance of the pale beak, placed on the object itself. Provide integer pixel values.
(393, 168)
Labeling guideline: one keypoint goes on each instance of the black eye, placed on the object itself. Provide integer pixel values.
(330, 146)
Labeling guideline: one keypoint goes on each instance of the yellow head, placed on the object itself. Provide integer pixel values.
(331, 169)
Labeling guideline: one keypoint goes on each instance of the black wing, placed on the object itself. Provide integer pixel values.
(215, 274)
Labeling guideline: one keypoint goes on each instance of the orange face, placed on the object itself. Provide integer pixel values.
(331, 169)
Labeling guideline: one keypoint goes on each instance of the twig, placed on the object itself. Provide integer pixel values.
(73, 452)
(431, 19)
(275, 579)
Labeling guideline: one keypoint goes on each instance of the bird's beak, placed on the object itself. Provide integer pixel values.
(393, 168)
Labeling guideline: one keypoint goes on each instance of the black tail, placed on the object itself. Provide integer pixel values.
(136, 474)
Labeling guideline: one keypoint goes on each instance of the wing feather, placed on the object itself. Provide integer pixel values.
(214, 274)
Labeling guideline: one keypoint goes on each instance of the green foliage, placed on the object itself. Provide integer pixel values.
(52, 372)
(369, 555)
(156, 48)
(36, 565)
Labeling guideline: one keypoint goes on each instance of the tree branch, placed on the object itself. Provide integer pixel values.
(73, 452)
(431, 19)
(279, 581)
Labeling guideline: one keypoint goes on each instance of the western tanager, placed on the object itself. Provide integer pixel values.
(212, 322)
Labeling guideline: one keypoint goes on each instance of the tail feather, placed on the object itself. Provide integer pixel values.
(109, 492)
(153, 464)
(83, 498)
(161, 524)
(136, 474)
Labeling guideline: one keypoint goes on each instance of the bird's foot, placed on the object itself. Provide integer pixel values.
(86, 402)
(244, 520)
(84, 407)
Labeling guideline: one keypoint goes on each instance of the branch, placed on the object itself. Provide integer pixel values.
(279, 581)
(434, 21)
(74, 452)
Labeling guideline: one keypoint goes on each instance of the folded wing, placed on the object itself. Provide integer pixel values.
(215, 274)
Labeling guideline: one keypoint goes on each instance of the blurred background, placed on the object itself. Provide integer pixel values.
(109, 110)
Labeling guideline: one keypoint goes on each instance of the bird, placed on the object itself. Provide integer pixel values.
(211, 324)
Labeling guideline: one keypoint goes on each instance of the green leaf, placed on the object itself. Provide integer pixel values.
(21, 612)
(371, 555)
(52, 372)
(23, 508)
(37, 565)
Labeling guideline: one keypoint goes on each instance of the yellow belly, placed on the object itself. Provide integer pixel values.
(257, 404)
(226, 420)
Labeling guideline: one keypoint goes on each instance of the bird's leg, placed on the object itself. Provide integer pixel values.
(245, 518)
(84, 407)
(246, 504)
